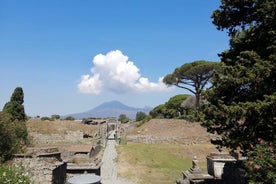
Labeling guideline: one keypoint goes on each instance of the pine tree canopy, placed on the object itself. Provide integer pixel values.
(242, 102)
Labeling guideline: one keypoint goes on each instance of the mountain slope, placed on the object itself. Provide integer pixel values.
(111, 109)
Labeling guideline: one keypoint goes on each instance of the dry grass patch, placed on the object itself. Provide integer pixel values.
(159, 163)
(59, 127)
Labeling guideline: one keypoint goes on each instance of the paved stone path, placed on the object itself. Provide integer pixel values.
(109, 167)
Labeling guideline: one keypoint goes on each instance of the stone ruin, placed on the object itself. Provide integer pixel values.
(47, 165)
(44, 165)
(222, 169)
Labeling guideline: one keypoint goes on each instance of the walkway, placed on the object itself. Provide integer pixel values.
(109, 167)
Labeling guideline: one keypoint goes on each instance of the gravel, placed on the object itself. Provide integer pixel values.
(109, 167)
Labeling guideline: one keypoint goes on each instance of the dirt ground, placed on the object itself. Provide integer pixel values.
(171, 130)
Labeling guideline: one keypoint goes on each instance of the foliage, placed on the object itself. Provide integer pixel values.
(159, 111)
(15, 106)
(70, 118)
(261, 163)
(6, 138)
(12, 175)
(13, 130)
(140, 116)
(44, 118)
(13, 137)
(242, 101)
(55, 116)
(123, 118)
(143, 119)
(171, 109)
(174, 103)
(192, 76)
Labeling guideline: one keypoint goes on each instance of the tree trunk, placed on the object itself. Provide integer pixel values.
(197, 95)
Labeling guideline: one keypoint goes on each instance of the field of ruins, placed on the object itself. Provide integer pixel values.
(156, 152)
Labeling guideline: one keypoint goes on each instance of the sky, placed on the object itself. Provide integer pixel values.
(70, 56)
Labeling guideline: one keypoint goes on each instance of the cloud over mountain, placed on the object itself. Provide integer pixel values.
(113, 72)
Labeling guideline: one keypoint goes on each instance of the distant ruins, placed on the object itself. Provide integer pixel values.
(49, 165)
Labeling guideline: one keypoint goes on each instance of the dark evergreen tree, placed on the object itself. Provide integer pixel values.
(13, 130)
(15, 107)
(242, 102)
(6, 138)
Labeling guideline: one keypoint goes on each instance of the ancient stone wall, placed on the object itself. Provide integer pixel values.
(70, 136)
(43, 165)
(43, 170)
(154, 139)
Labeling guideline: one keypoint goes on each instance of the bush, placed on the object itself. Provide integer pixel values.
(14, 175)
(6, 139)
(13, 137)
(140, 116)
(146, 119)
(261, 163)
(44, 118)
(13, 130)
(70, 118)
(123, 118)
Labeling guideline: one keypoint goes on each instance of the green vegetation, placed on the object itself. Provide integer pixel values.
(12, 175)
(69, 118)
(15, 107)
(155, 163)
(13, 130)
(261, 169)
(55, 116)
(170, 109)
(46, 118)
(193, 77)
(242, 102)
(123, 118)
(140, 116)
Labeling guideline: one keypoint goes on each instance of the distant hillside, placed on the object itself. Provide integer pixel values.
(111, 109)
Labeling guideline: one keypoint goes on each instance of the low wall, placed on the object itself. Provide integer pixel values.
(154, 139)
(70, 136)
(43, 170)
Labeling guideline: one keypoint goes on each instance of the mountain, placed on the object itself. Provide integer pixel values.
(111, 109)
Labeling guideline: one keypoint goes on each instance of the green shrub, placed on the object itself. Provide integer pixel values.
(15, 107)
(69, 118)
(13, 130)
(13, 137)
(6, 139)
(261, 163)
(123, 118)
(14, 175)
(146, 119)
(44, 118)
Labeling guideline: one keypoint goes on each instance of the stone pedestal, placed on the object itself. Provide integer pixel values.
(216, 163)
(195, 174)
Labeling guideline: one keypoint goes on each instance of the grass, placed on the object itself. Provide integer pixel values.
(157, 163)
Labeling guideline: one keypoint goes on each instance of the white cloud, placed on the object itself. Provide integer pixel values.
(113, 72)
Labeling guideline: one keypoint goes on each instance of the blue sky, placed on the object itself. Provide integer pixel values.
(70, 56)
